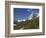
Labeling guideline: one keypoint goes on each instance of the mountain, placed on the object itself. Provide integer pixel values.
(31, 22)
(28, 24)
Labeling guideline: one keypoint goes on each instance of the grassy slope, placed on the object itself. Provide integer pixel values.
(29, 24)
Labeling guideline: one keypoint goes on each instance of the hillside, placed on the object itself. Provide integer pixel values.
(28, 24)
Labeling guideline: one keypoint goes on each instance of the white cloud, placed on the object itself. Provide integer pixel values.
(21, 20)
(24, 19)
(30, 16)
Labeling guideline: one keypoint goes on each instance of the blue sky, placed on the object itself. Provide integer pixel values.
(23, 13)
